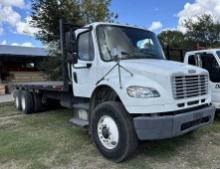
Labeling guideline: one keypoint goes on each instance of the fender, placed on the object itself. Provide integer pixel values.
(139, 80)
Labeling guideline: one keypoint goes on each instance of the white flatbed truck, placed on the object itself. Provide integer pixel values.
(210, 60)
(120, 85)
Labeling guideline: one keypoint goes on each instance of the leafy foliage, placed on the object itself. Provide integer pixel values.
(52, 65)
(203, 30)
(172, 38)
(46, 15)
(176, 39)
(96, 11)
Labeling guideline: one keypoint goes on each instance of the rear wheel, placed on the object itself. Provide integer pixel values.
(113, 131)
(17, 99)
(27, 104)
(37, 102)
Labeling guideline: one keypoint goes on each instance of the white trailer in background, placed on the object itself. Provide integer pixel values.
(209, 60)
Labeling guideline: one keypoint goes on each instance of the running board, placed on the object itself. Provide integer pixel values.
(79, 123)
(80, 118)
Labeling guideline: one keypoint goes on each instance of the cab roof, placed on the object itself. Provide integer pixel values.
(95, 24)
(204, 50)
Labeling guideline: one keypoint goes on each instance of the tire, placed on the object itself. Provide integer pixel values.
(17, 99)
(27, 104)
(37, 102)
(124, 142)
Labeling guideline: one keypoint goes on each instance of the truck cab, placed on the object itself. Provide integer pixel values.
(123, 69)
(209, 60)
(120, 85)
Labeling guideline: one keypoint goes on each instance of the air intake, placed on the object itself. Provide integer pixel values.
(190, 86)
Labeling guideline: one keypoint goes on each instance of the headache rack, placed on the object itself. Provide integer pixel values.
(189, 86)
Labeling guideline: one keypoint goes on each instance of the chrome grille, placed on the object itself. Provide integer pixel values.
(190, 86)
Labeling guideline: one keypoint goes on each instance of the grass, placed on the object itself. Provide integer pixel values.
(46, 140)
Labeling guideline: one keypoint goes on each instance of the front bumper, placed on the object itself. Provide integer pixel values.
(168, 126)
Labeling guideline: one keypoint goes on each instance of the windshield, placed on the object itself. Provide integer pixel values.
(132, 43)
(218, 53)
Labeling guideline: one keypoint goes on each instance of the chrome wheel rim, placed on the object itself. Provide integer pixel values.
(23, 104)
(17, 102)
(108, 132)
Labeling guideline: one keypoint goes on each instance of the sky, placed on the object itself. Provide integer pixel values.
(155, 15)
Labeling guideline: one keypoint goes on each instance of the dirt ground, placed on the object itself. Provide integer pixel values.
(47, 140)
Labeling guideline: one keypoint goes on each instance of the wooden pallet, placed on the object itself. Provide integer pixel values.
(2, 89)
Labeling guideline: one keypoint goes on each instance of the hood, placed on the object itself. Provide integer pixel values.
(162, 67)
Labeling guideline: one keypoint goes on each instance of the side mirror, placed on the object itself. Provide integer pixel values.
(115, 53)
(71, 47)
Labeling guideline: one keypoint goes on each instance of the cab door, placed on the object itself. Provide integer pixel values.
(212, 65)
(84, 71)
(209, 62)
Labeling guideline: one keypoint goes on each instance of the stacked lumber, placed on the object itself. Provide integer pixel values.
(17, 77)
(2, 89)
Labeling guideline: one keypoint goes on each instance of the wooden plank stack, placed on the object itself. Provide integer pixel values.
(16, 77)
(2, 89)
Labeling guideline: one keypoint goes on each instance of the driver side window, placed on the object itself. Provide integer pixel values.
(85, 47)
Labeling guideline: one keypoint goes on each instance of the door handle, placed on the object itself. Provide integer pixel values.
(87, 66)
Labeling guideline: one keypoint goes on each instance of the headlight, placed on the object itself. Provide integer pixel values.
(142, 92)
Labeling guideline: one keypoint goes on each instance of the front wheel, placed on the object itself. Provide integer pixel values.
(113, 131)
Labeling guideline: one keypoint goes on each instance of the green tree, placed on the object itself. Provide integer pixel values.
(52, 65)
(174, 38)
(46, 15)
(203, 30)
(177, 43)
(98, 10)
